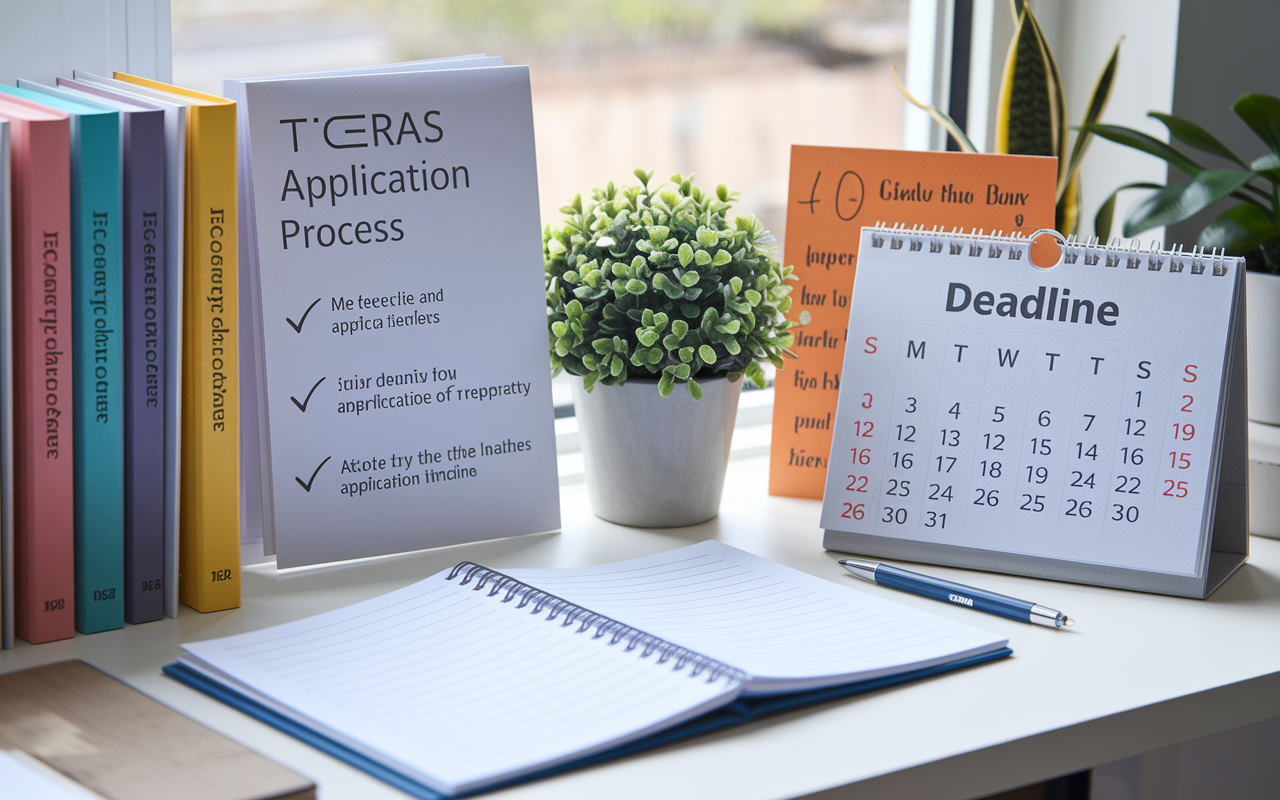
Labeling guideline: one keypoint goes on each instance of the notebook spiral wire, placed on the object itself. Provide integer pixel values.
(586, 620)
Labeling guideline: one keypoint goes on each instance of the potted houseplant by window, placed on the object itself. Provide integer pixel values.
(1250, 227)
(650, 288)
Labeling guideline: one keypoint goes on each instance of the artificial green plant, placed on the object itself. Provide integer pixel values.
(1251, 226)
(658, 283)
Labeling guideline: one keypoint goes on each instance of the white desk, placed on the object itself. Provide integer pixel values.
(1139, 672)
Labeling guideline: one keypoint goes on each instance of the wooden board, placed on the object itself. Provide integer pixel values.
(124, 745)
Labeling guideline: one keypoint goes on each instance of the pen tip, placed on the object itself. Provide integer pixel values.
(1069, 622)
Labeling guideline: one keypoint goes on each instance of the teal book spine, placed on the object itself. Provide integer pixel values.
(97, 289)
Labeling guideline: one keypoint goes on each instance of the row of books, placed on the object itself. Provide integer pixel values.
(119, 423)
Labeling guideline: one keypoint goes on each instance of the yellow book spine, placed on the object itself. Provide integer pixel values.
(209, 522)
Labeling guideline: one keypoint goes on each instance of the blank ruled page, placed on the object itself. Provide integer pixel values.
(789, 630)
(454, 687)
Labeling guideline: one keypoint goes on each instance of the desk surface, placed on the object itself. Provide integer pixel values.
(1138, 673)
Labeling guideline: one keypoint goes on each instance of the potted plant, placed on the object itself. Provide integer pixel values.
(649, 288)
(1250, 227)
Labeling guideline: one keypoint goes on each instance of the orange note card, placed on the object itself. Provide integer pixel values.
(833, 192)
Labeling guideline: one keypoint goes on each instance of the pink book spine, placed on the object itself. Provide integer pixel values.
(43, 482)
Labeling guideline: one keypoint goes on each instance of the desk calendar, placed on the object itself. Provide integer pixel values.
(1082, 422)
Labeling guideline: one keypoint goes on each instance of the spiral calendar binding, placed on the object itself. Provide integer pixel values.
(1016, 246)
(586, 619)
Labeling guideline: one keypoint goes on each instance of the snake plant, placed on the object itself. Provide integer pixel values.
(1031, 112)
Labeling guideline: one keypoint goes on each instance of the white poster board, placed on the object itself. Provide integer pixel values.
(403, 319)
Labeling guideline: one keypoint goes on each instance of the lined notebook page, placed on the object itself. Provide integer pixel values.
(789, 630)
(455, 688)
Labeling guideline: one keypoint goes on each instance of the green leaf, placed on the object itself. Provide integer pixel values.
(1192, 135)
(685, 254)
(1097, 103)
(589, 381)
(1176, 203)
(938, 116)
(721, 258)
(707, 353)
(1149, 145)
(1106, 213)
(1268, 166)
(689, 278)
(1261, 112)
(647, 338)
(682, 371)
(694, 390)
(1029, 114)
(680, 328)
(665, 384)
(1240, 229)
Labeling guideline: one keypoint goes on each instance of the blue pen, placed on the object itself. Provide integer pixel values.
(956, 593)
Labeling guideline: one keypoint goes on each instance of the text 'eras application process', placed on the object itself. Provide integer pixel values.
(402, 330)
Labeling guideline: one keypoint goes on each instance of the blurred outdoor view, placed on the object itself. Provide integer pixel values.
(718, 88)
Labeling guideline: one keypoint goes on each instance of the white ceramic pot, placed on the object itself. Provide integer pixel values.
(654, 461)
(1262, 309)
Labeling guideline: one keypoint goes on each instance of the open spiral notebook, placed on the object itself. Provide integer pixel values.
(475, 678)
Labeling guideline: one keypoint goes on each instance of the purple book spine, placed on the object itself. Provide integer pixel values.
(144, 293)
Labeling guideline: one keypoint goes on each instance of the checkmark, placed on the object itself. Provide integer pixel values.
(303, 405)
(297, 326)
(307, 485)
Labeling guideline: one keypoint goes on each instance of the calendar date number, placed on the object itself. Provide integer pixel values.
(1123, 513)
(852, 511)
(987, 497)
(1128, 485)
(898, 488)
(894, 515)
(1079, 508)
(1175, 488)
